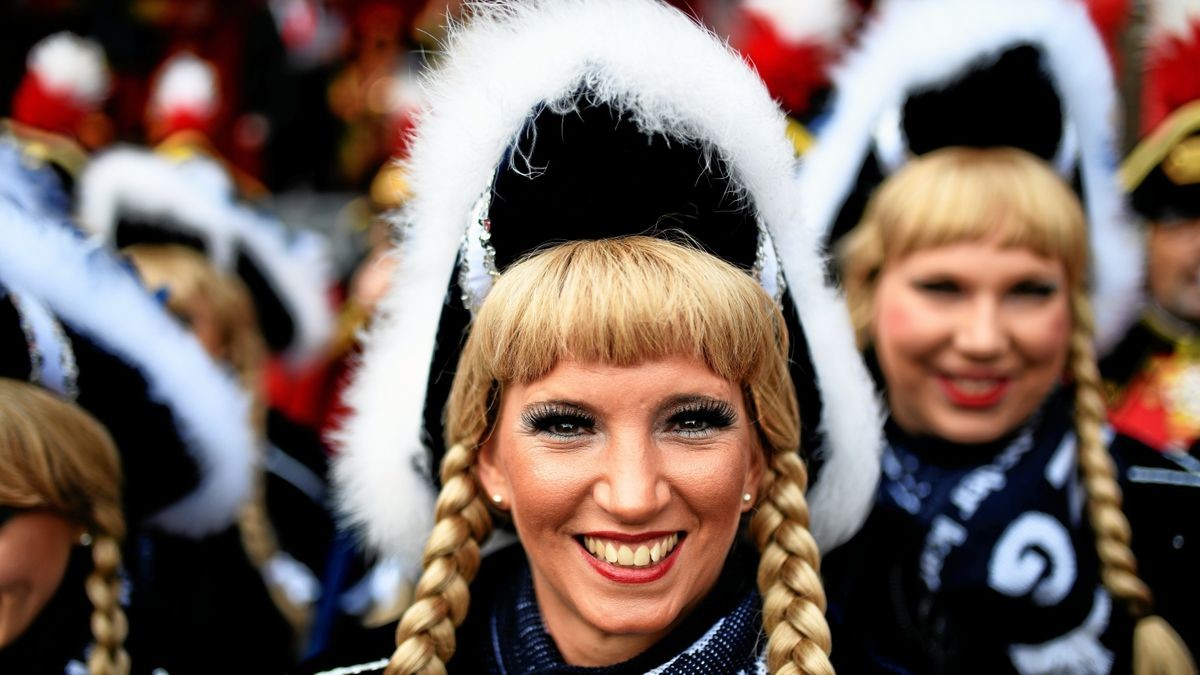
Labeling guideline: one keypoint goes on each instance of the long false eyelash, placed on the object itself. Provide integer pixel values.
(541, 416)
(717, 414)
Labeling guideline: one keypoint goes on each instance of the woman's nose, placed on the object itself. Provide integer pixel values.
(980, 333)
(632, 488)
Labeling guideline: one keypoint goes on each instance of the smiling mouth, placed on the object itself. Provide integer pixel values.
(974, 392)
(625, 554)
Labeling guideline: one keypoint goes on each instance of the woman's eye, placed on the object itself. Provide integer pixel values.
(563, 426)
(702, 421)
(557, 423)
(939, 287)
(1034, 289)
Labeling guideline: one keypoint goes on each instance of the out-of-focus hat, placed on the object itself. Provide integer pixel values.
(793, 46)
(1032, 74)
(563, 119)
(184, 97)
(1162, 174)
(66, 78)
(75, 320)
(133, 195)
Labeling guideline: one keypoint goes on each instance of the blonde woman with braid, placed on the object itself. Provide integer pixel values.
(608, 339)
(997, 540)
(60, 538)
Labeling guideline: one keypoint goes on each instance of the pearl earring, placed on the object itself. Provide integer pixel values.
(496, 499)
(747, 497)
(85, 539)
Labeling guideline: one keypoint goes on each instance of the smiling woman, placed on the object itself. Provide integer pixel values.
(967, 277)
(634, 363)
(621, 428)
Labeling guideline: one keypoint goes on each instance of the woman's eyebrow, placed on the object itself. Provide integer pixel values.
(681, 400)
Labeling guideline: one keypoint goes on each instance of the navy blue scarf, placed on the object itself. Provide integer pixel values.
(978, 558)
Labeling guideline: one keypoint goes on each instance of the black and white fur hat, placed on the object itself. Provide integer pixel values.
(1027, 73)
(74, 319)
(654, 109)
(132, 195)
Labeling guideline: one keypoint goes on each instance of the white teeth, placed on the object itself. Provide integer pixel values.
(622, 555)
(642, 557)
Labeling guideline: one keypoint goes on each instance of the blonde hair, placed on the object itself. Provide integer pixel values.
(55, 456)
(624, 301)
(1010, 197)
(194, 286)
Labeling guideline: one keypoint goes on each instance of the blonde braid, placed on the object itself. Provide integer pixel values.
(1157, 648)
(425, 636)
(261, 545)
(109, 626)
(788, 573)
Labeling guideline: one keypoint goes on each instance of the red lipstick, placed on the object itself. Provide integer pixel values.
(983, 398)
(633, 575)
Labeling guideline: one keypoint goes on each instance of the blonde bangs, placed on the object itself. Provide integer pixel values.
(958, 195)
(622, 302)
(1000, 194)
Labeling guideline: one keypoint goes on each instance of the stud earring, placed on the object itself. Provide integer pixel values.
(747, 497)
(85, 539)
(497, 499)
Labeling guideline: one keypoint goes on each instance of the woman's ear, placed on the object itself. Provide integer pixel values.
(754, 474)
(491, 474)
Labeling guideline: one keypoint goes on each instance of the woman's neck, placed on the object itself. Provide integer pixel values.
(583, 644)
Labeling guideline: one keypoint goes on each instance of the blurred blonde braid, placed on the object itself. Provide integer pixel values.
(1157, 648)
(109, 625)
(425, 638)
(788, 573)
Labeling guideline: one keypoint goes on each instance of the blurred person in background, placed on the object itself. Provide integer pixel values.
(61, 529)
(55, 107)
(221, 268)
(998, 539)
(75, 320)
(1153, 374)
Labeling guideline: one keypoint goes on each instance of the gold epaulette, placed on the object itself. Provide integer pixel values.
(188, 144)
(1172, 144)
(44, 147)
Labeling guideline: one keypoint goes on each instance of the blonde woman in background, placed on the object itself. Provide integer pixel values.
(997, 541)
(284, 531)
(61, 529)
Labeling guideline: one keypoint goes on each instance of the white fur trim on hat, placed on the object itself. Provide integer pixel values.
(675, 79)
(100, 298)
(65, 62)
(197, 196)
(916, 44)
